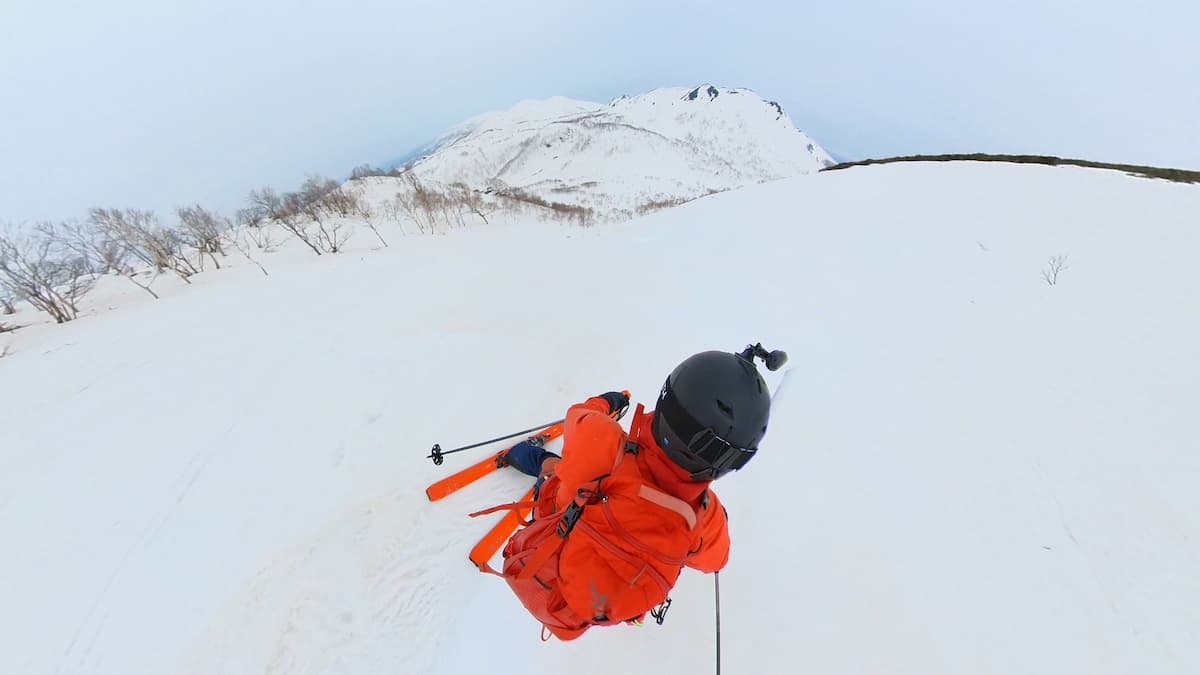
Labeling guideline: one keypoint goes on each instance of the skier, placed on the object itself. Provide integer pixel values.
(618, 516)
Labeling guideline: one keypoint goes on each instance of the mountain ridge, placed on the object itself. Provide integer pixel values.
(662, 147)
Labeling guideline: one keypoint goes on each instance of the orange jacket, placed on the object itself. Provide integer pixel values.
(592, 444)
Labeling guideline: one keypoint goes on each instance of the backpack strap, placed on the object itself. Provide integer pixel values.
(650, 494)
(670, 503)
(566, 523)
(514, 506)
(632, 441)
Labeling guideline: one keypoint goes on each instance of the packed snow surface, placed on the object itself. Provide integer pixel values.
(968, 470)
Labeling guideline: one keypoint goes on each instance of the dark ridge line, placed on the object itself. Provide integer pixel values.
(1175, 175)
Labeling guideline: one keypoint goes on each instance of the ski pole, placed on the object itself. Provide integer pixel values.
(437, 452)
(717, 590)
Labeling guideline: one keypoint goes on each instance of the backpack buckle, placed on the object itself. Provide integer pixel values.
(570, 517)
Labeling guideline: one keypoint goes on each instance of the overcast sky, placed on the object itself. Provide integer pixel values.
(153, 104)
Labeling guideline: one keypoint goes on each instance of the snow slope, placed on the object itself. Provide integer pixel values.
(666, 146)
(967, 470)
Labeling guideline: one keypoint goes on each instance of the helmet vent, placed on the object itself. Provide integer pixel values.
(725, 408)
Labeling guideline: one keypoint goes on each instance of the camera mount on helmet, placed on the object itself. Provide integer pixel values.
(773, 360)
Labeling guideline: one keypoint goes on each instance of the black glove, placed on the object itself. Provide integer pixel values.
(616, 400)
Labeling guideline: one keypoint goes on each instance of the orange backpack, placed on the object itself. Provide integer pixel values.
(610, 555)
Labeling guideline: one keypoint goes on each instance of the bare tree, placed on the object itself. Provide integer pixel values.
(265, 204)
(250, 217)
(1055, 266)
(414, 202)
(451, 208)
(263, 238)
(316, 213)
(234, 237)
(124, 229)
(144, 238)
(293, 219)
(365, 171)
(204, 230)
(518, 198)
(321, 200)
(257, 227)
(339, 201)
(368, 214)
(470, 199)
(6, 304)
(104, 253)
(34, 267)
(286, 209)
(405, 204)
(392, 211)
(427, 206)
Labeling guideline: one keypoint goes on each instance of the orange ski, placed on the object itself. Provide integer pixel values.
(495, 538)
(467, 476)
(472, 473)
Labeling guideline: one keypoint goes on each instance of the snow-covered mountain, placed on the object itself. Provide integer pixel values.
(967, 471)
(634, 154)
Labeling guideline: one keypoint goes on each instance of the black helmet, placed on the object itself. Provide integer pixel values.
(713, 411)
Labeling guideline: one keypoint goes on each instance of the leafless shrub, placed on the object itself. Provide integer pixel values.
(257, 227)
(366, 171)
(322, 202)
(145, 239)
(1055, 266)
(291, 217)
(250, 216)
(6, 304)
(394, 212)
(204, 232)
(266, 205)
(104, 253)
(413, 202)
(339, 202)
(367, 213)
(660, 204)
(429, 206)
(580, 215)
(237, 239)
(36, 268)
(470, 200)
(263, 238)
(315, 213)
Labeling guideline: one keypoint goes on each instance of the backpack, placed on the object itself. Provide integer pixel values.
(608, 556)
